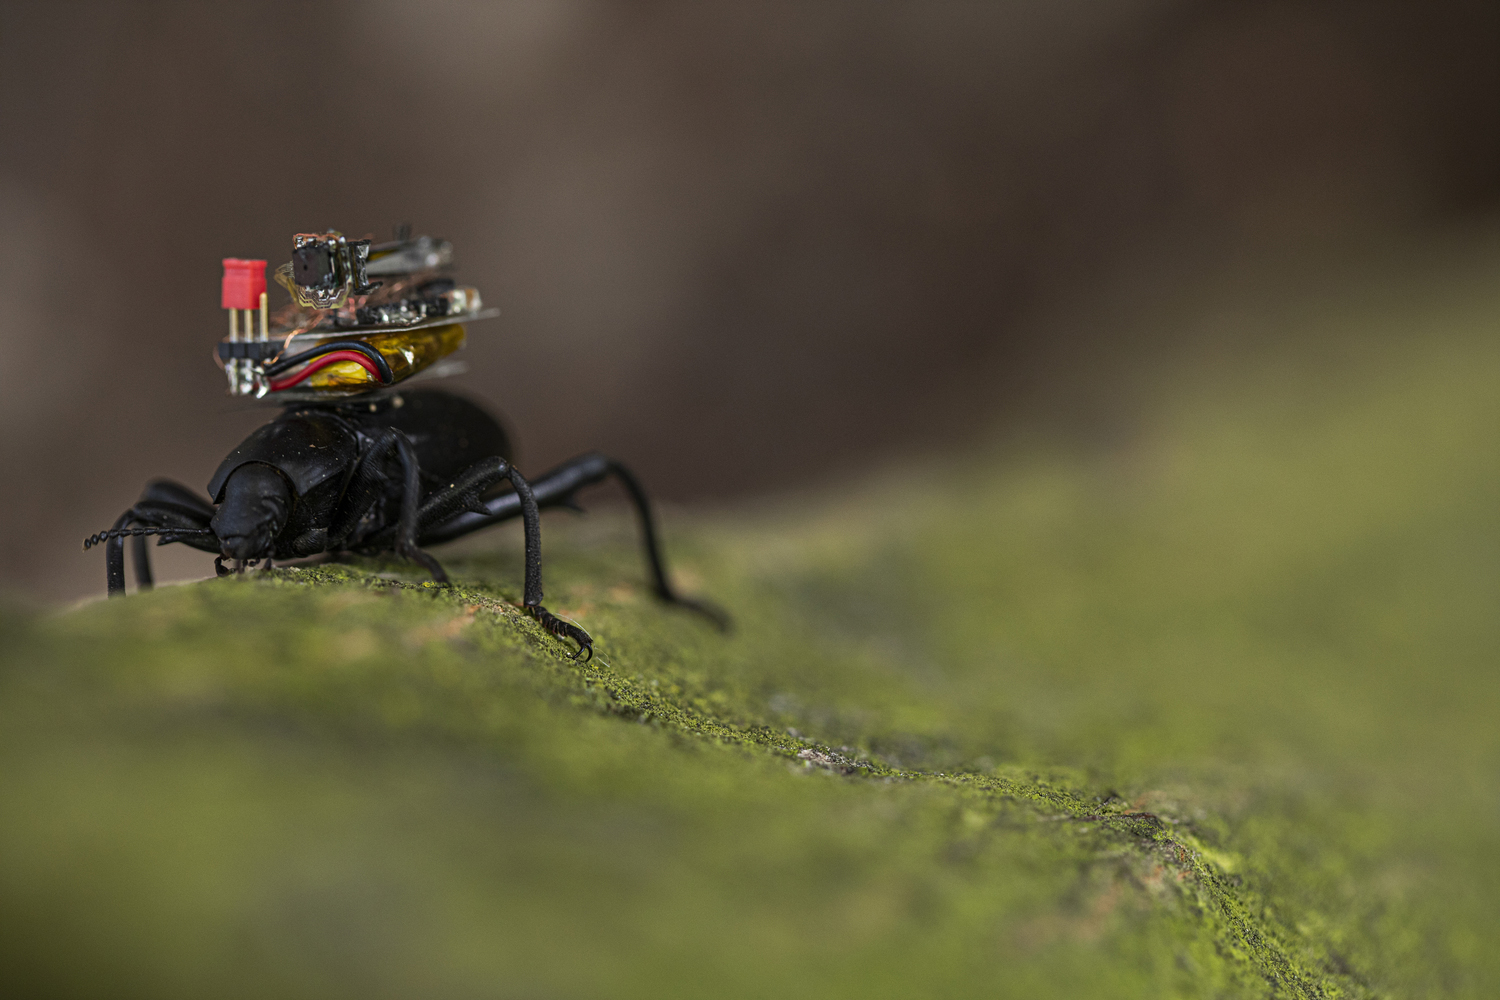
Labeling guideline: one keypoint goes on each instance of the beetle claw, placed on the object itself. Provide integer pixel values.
(409, 551)
(563, 630)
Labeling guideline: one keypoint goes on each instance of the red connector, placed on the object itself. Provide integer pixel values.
(244, 283)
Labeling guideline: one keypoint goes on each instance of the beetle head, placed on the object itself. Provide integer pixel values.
(257, 501)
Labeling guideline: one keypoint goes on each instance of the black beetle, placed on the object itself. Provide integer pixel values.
(392, 472)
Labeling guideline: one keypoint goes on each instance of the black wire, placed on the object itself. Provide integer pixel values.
(381, 365)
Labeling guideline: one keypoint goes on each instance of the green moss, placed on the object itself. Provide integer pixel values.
(1210, 714)
(243, 757)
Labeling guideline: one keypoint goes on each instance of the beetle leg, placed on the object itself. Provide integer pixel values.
(463, 494)
(559, 488)
(367, 486)
(163, 505)
(141, 560)
(166, 492)
(531, 522)
(461, 499)
(411, 500)
(114, 558)
(654, 558)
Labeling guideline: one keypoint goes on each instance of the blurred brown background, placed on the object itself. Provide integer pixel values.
(745, 247)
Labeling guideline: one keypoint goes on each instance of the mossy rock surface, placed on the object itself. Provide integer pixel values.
(1210, 714)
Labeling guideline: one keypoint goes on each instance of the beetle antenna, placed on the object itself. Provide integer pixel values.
(105, 536)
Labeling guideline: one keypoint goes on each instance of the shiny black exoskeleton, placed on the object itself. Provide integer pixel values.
(367, 475)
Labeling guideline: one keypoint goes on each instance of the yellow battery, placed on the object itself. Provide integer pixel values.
(406, 351)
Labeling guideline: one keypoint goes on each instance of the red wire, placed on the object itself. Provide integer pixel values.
(323, 361)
